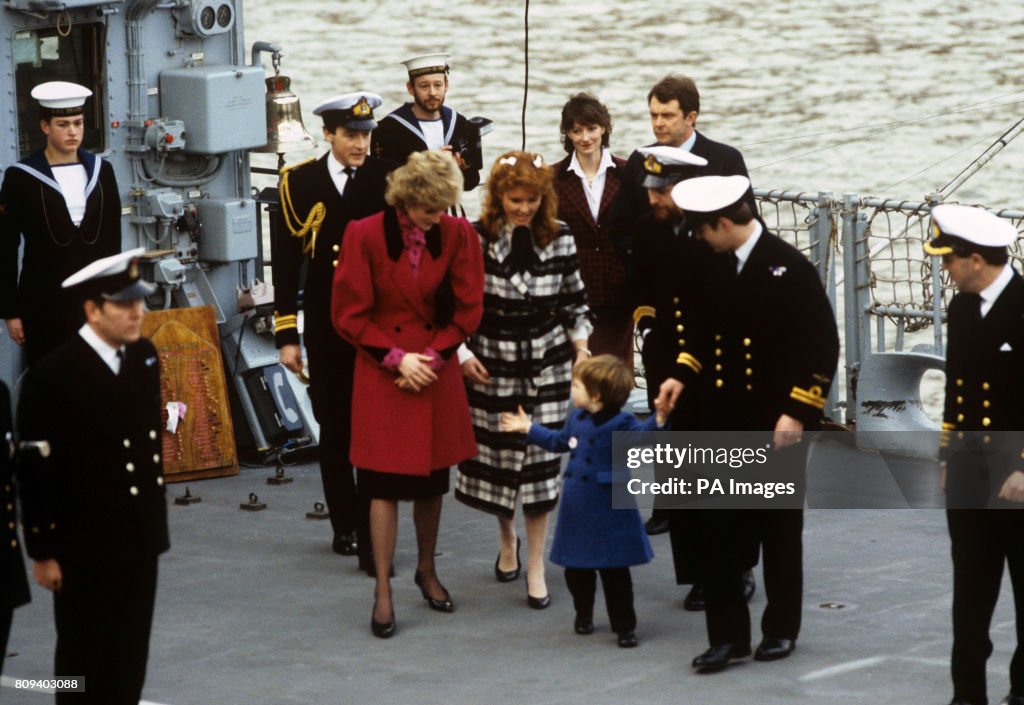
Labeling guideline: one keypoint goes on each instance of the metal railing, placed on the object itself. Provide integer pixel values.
(870, 256)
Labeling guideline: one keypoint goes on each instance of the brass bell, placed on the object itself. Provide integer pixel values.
(285, 131)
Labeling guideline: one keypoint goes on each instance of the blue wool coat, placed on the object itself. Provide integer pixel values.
(589, 532)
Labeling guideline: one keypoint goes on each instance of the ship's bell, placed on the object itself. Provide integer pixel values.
(285, 131)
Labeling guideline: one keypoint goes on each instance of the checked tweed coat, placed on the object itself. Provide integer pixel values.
(524, 342)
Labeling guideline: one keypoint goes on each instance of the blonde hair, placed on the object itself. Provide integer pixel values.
(607, 377)
(430, 179)
(525, 170)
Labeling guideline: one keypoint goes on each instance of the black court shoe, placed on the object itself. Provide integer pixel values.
(511, 575)
(382, 630)
(445, 605)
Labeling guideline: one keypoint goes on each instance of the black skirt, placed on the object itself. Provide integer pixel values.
(389, 485)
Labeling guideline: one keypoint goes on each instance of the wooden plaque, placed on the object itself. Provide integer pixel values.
(192, 372)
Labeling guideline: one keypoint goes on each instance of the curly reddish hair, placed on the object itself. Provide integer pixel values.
(514, 170)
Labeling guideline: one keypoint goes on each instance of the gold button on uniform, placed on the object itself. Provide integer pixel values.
(959, 400)
(156, 457)
(959, 383)
(986, 422)
(750, 387)
(675, 300)
(679, 314)
(986, 386)
(750, 372)
(717, 337)
(682, 342)
(134, 491)
(746, 342)
(334, 263)
(719, 383)
(959, 417)
(679, 329)
(14, 543)
(127, 443)
(336, 248)
(718, 352)
(718, 368)
(986, 403)
(152, 435)
(160, 481)
(130, 467)
(748, 356)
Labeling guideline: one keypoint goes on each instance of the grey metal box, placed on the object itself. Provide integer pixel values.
(229, 229)
(222, 106)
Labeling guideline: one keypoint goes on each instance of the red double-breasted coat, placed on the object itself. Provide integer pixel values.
(379, 303)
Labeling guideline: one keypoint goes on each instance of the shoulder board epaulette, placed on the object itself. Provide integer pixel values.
(288, 167)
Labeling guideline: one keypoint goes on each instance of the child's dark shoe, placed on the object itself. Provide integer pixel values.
(584, 625)
(627, 640)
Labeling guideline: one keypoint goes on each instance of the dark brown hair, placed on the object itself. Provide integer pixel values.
(585, 110)
(607, 377)
(677, 87)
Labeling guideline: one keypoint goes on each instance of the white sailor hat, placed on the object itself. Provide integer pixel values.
(664, 165)
(351, 110)
(427, 63)
(61, 97)
(708, 194)
(114, 278)
(967, 228)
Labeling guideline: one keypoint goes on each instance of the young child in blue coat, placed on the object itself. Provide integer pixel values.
(591, 537)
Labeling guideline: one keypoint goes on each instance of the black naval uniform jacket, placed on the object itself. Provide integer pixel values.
(631, 202)
(306, 190)
(398, 135)
(99, 497)
(669, 280)
(984, 391)
(32, 207)
(13, 585)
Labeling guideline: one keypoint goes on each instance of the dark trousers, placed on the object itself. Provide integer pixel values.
(780, 532)
(982, 540)
(6, 615)
(330, 369)
(725, 610)
(104, 613)
(617, 584)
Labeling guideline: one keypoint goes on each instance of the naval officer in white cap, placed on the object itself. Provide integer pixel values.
(768, 348)
(426, 122)
(984, 463)
(318, 199)
(64, 202)
(90, 477)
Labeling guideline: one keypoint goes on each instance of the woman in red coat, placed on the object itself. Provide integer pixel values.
(586, 183)
(408, 291)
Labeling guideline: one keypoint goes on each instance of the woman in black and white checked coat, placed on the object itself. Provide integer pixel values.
(535, 326)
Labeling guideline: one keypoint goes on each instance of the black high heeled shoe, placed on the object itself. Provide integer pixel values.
(537, 603)
(510, 575)
(382, 630)
(445, 605)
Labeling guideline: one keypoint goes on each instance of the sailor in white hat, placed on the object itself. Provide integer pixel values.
(319, 198)
(64, 201)
(983, 412)
(768, 349)
(91, 481)
(426, 122)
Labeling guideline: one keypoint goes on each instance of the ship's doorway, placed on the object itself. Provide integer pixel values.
(74, 53)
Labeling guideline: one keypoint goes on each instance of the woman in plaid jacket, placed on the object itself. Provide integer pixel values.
(535, 326)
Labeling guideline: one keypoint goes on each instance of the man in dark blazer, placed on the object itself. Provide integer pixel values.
(318, 199)
(982, 445)
(426, 122)
(674, 105)
(90, 477)
(13, 586)
(63, 201)
(768, 348)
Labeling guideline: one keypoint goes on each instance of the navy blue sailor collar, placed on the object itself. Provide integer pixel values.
(407, 119)
(35, 165)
